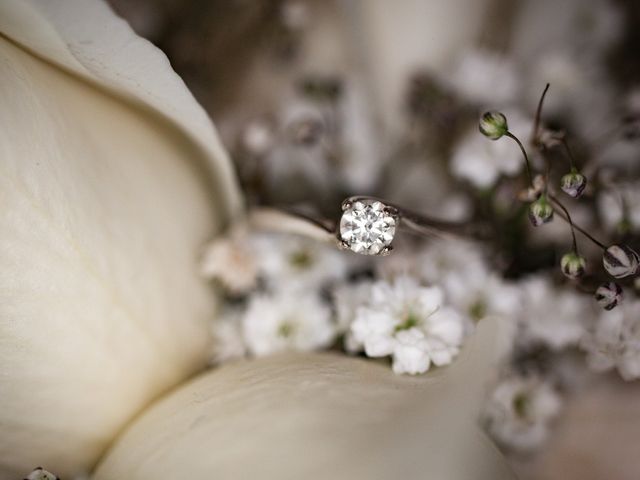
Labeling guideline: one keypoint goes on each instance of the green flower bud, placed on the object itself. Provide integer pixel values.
(608, 295)
(573, 265)
(573, 183)
(540, 211)
(493, 125)
(620, 261)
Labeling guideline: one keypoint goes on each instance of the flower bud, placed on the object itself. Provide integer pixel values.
(540, 211)
(573, 265)
(41, 474)
(608, 295)
(306, 132)
(533, 192)
(573, 183)
(620, 261)
(493, 125)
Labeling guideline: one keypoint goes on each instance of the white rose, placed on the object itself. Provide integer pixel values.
(111, 179)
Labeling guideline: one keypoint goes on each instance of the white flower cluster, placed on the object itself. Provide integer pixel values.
(614, 342)
(418, 325)
(280, 280)
(520, 410)
(409, 322)
(551, 316)
(418, 316)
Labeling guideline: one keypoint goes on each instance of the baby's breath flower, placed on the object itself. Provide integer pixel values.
(520, 411)
(573, 183)
(230, 261)
(478, 72)
(608, 295)
(620, 261)
(287, 321)
(294, 15)
(619, 206)
(573, 265)
(228, 342)
(347, 298)
(615, 341)
(533, 192)
(41, 474)
(540, 211)
(409, 323)
(258, 137)
(552, 316)
(290, 262)
(493, 125)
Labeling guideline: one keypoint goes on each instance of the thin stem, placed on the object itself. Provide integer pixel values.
(624, 208)
(573, 231)
(569, 154)
(524, 153)
(577, 227)
(536, 123)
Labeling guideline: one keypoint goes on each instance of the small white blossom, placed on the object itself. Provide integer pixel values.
(228, 341)
(258, 137)
(519, 412)
(553, 316)
(287, 321)
(442, 259)
(482, 162)
(482, 296)
(478, 74)
(347, 298)
(295, 15)
(459, 268)
(615, 341)
(408, 322)
(230, 260)
(290, 262)
(610, 206)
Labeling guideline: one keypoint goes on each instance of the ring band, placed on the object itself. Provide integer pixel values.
(367, 226)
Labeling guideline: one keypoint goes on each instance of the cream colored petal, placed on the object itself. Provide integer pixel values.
(105, 200)
(317, 416)
(86, 38)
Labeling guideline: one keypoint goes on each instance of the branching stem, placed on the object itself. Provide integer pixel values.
(536, 123)
(564, 214)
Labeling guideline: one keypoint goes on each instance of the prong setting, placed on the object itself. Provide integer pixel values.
(346, 204)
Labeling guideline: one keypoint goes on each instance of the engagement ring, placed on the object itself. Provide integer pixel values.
(368, 225)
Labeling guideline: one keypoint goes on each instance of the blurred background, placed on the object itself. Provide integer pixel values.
(317, 100)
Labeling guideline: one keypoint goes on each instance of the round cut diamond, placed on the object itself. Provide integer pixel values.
(367, 227)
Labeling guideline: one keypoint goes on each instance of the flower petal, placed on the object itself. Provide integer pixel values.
(318, 416)
(109, 185)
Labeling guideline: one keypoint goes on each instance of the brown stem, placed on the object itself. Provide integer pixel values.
(569, 154)
(577, 227)
(536, 122)
(573, 231)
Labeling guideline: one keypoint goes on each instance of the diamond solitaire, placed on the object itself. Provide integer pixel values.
(367, 226)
